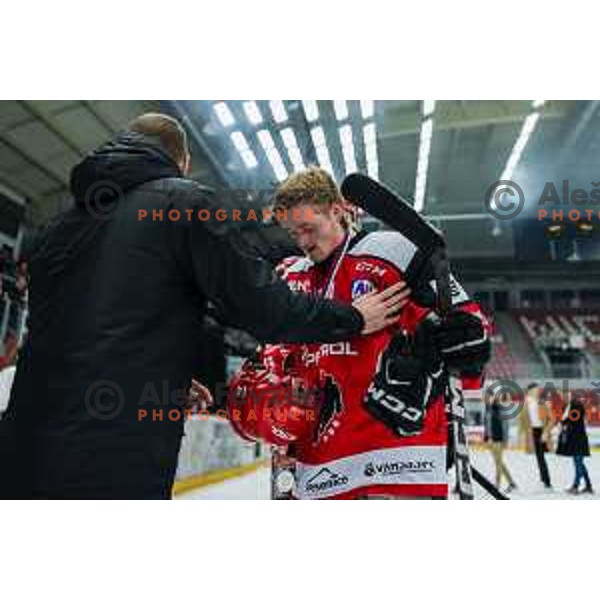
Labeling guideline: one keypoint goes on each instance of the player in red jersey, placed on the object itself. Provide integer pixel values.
(382, 431)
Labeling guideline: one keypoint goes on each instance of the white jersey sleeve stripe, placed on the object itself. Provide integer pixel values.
(391, 246)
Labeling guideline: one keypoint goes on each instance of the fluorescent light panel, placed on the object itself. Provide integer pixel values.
(241, 145)
(370, 140)
(341, 109)
(424, 151)
(373, 168)
(253, 112)
(291, 145)
(517, 151)
(239, 140)
(348, 148)
(278, 111)
(369, 134)
(224, 114)
(318, 137)
(311, 110)
(367, 108)
(268, 144)
(428, 107)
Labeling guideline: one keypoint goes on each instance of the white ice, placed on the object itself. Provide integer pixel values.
(255, 486)
(524, 470)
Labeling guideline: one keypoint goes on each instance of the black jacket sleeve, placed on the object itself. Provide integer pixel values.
(246, 290)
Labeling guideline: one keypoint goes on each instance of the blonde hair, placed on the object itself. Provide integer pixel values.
(315, 186)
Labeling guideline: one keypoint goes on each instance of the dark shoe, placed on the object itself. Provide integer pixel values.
(572, 490)
(511, 487)
(588, 489)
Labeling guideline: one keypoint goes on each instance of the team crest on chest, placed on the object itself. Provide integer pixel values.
(360, 287)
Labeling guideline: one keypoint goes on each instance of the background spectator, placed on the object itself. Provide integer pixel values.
(538, 420)
(496, 435)
(573, 441)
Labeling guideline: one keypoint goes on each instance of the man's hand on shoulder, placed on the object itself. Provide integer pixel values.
(380, 309)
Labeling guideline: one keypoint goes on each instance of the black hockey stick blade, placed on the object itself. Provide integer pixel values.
(391, 209)
(395, 212)
(487, 485)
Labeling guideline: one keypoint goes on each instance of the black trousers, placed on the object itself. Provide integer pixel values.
(540, 454)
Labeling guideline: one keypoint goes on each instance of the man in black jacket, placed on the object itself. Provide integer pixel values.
(116, 310)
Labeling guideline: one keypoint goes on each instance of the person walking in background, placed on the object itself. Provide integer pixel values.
(573, 441)
(525, 440)
(496, 436)
(540, 424)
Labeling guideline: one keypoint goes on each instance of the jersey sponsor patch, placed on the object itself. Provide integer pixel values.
(360, 287)
(325, 480)
(410, 465)
(369, 267)
(299, 285)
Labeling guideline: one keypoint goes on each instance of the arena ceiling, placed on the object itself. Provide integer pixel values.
(470, 144)
(441, 155)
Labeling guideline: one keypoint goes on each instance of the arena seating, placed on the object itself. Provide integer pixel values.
(503, 364)
(578, 328)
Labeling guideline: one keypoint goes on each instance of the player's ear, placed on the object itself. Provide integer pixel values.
(337, 210)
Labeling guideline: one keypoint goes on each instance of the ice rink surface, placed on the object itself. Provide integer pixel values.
(255, 486)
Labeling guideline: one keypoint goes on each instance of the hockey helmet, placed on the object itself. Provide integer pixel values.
(274, 398)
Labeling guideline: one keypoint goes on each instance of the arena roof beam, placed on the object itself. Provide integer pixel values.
(92, 110)
(401, 120)
(13, 187)
(525, 134)
(426, 135)
(577, 130)
(38, 165)
(38, 115)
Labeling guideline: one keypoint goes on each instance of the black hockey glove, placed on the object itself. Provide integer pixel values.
(332, 407)
(408, 377)
(462, 342)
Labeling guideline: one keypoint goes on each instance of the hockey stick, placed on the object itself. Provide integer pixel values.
(487, 485)
(462, 461)
(395, 212)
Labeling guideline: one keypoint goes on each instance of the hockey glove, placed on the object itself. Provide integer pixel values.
(463, 343)
(407, 379)
(332, 407)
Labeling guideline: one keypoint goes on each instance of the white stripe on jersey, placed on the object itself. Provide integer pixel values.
(391, 246)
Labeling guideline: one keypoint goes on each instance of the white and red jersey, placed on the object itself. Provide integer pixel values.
(356, 455)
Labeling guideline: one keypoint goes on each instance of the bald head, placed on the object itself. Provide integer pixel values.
(170, 133)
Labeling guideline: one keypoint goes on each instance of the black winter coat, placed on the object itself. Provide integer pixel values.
(573, 439)
(116, 311)
(495, 426)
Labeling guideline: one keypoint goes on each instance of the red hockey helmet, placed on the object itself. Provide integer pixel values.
(273, 399)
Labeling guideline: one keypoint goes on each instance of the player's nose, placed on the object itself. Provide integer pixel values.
(305, 241)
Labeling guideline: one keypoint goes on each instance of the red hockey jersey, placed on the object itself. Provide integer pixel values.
(356, 455)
